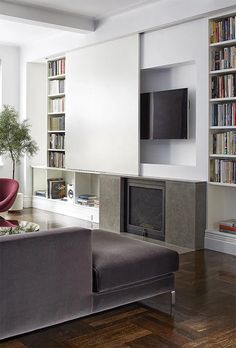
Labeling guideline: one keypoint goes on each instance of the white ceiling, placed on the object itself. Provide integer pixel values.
(19, 34)
(93, 8)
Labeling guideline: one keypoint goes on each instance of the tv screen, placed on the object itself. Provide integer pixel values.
(164, 115)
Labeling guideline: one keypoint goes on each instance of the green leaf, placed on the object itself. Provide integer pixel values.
(15, 138)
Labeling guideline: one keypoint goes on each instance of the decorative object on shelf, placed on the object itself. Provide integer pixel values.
(56, 188)
(70, 192)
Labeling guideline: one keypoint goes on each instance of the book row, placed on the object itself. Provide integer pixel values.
(223, 86)
(224, 114)
(56, 86)
(223, 171)
(224, 143)
(57, 123)
(223, 29)
(57, 141)
(228, 226)
(56, 105)
(88, 200)
(56, 159)
(56, 67)
(224, 58)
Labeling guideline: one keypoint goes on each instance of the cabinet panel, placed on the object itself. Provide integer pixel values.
(102, 106)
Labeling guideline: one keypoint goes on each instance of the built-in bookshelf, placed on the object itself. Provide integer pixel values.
(222, 132)
(56, 112)
(223, 100)
(65, 191)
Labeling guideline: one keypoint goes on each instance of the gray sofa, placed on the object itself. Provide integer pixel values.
(53, 276)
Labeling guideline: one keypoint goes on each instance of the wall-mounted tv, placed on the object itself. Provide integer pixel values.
(164, 114)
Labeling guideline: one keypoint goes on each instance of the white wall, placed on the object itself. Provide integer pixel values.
(37, 109)
(102, 107)
(9, 56)
(180, 44)
(174, 151)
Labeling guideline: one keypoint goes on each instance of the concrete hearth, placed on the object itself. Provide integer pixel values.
(185, 209)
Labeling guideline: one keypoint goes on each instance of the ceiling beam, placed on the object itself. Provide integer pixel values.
(46, 17)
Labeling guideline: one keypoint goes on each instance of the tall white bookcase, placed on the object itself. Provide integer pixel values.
(56, 112)
(222, 131)
(81, 182)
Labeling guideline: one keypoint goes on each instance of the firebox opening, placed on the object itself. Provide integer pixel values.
(145, 208)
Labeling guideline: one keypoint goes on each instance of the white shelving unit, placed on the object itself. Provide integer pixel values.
(222, 180)
(81, 182)
(56, 111)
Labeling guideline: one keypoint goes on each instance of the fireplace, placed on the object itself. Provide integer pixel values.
(144, 205)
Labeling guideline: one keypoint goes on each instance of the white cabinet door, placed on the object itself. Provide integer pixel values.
(102, 107)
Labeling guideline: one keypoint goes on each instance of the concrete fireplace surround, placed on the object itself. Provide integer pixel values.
(185, 209)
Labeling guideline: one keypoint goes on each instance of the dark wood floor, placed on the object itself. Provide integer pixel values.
(204, 315)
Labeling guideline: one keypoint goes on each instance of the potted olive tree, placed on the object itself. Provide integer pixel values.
(15, 138)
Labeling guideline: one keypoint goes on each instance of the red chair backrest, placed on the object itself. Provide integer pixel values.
(8, 192)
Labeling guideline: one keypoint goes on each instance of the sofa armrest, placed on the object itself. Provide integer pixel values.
(45, 279)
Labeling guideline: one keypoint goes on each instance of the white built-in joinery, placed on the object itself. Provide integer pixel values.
(222, 131)
(56, 112)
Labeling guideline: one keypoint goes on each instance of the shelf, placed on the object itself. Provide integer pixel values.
(56, 113)
(221, 184)
(57, 150)
(71, 170)
(56, 95)
(57, 77)
(223, 43)
(222, 71)
(66, 202)
(228, 234)
(59, 168)
(222, 156)
(216, 100)
(222, 127)
(56, 131)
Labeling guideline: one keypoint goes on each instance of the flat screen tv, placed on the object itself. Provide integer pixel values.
(164, 114)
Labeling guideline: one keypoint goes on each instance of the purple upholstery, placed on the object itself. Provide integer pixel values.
(8, 192)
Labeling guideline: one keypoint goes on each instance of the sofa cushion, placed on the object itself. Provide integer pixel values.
(119, 261)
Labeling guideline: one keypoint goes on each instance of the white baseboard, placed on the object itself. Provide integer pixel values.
(66, 208)
(220, 241)
(27, 201)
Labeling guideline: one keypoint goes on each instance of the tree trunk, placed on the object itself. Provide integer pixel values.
(13, 169)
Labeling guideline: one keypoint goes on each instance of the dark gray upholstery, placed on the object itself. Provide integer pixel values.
(119, 261)
(137, 292)
(46, 277)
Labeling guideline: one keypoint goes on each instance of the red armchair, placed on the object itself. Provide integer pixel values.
(8, 192)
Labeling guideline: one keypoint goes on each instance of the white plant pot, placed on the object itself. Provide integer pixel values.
(18, 204)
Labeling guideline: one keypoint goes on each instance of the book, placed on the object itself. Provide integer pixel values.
(87, 196)
(223, 228)
(40, 193)
(230, 223)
